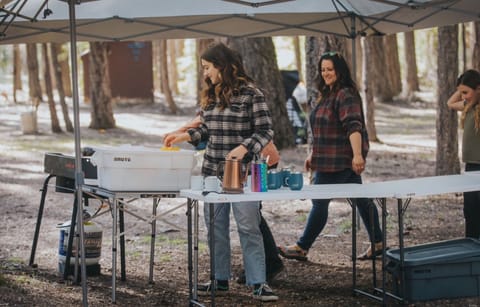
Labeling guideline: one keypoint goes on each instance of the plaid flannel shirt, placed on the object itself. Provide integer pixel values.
(245, 121)
(332, 121)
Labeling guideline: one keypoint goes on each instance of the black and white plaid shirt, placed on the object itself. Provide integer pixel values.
(245, 121)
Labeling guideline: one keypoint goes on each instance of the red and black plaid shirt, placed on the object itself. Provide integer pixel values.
(332, 121)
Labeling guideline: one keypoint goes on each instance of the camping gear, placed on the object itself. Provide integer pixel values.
(138, 168)
(259, 176)
(93, 248)
(439, 270)
(233, 177)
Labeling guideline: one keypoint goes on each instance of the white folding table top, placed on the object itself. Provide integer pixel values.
(403, 188)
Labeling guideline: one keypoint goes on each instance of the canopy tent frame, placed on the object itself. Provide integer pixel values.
(198, 22)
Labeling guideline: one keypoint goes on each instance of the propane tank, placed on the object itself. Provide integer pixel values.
(93, 246)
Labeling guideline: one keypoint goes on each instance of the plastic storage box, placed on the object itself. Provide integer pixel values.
(439, 270)
(137, 168)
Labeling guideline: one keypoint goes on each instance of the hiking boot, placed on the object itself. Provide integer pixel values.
(263, 293)
(221, 288)
(293, 252)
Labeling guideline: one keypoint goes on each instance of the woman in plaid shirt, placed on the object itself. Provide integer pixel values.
(235, 123)
(339, 149)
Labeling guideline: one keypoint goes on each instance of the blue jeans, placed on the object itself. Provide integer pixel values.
(247, 216)
(317, 218)
(471, 207)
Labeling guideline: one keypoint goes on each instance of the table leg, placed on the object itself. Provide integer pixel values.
(152, 239)
(121, 221)
(39, 219)
(401, 244)
(114, 248)
(192, 231)
(68, 255)
(212, 251)
(189, 251)
(354, 245)
(383, 206)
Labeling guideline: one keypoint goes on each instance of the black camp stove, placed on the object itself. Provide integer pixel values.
(63, 168)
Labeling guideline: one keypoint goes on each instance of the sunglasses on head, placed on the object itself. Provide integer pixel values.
(330, 53)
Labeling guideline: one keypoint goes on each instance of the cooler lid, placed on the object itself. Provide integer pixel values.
(437, 252)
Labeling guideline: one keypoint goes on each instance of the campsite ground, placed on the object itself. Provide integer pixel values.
(407, 150)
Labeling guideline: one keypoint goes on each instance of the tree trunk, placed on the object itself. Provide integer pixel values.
(48, 89)
(100, 92)
(368, 71)
(201, 46)
(35, 90)
(411, 63)
(156, 66)
(164, 77)
(17, 71)
(172, 67)
(55, 51)
(393, 64)
(381, 86)
(447, 161)
(476, 49)
(313, 53)
(260, 61)
(298, 57)
(64, 62)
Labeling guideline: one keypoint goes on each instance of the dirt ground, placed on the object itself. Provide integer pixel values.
(407, 150)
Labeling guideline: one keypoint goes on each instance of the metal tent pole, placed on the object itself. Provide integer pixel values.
(78, 158)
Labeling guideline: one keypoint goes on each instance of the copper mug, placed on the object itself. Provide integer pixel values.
(233, 177)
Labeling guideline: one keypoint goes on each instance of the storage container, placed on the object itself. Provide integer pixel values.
(439, 270)
(92, 244)
(138, 168)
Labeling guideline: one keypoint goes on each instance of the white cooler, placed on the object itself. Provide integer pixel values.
(138, 168)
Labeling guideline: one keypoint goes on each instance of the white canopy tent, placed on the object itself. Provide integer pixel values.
(119, 20)
(29, 21)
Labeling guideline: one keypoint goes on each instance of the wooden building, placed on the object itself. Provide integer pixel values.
(130, 69)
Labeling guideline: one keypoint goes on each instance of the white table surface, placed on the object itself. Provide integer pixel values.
(403, 188)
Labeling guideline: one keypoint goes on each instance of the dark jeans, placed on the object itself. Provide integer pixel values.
(471, 207)
(272, 259)
(317, 218)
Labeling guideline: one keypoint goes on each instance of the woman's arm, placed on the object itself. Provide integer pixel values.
(194, 123)
(358, 163)
(455, 102)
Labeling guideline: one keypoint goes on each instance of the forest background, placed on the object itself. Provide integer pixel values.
(388, 68)
(395, 69)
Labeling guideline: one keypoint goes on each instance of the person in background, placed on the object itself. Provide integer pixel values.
(467, 100)
(235, 122)
(339, 149)
(273, 262)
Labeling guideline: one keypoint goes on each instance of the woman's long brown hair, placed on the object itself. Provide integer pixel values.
(232, 75)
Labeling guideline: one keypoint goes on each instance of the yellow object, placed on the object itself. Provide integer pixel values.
(173, 148)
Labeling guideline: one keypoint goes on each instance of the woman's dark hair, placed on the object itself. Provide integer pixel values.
(344, 77)
(232, 74)
(471, 78)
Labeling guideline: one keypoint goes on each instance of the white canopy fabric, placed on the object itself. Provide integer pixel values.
(120, 20)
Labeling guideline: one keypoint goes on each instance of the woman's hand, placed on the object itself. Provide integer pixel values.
(308, 163)
(358, 164)
(238, 152)
(174, 138)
